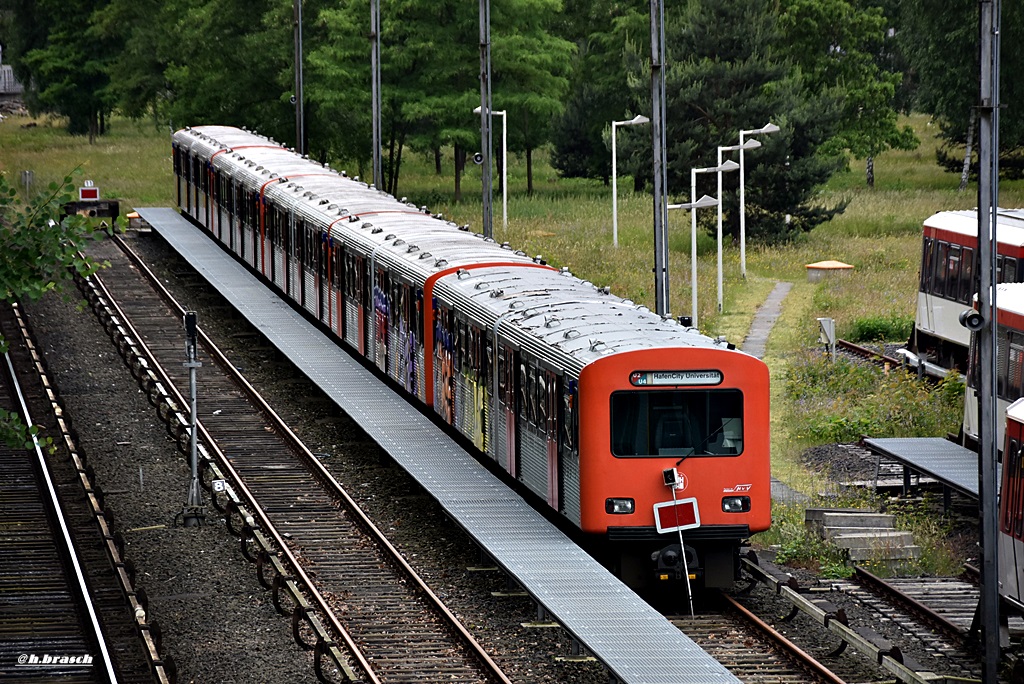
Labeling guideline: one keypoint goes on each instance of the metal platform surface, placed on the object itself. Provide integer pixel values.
(945, 461)
(635, 642)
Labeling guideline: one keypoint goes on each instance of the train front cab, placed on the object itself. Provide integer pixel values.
(1011, 509)
(702, 412)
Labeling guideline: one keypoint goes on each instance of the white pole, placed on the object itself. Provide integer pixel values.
(743, 218)
(615, 191)
(693, 247)
(504, 168)
(719, 230)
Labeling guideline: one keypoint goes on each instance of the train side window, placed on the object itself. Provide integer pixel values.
(952, 272)
(927, 258)
(1015, 366)
(569, 416)
(1006, 270)
(1002, 362)
(942, 257)
(1010, 493)
(966, 276)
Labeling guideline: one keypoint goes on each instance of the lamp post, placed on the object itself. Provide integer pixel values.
(635, 121)
(702, 203)
(767, 128)
(504, 164)
(727, 166)
(751, 144)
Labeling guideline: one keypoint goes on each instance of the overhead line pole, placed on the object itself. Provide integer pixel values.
(988, 207)
(378, 164)
(486, 143)
(300, 122)
(661, 291)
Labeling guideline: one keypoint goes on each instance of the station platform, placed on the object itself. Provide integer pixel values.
(632, 640)
(953, 466)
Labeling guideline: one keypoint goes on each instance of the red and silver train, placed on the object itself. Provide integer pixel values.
(949, 280)
(1009, 362)
(591, 402)
(1011, 510)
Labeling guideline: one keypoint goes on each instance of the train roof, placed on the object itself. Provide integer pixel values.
(1016, 410)
(1009, 230)
(541, 309)
(564, 313)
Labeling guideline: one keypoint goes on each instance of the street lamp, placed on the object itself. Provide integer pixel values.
(767, 128)
(504, 164)
(702, 203)
(750, 144)
(635, 121)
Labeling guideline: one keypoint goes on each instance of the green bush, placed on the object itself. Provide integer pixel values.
(840, 401)
(891, 328)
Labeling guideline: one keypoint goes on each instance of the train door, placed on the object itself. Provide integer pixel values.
(505, 424)
(538, 431)
(189, 189)
(444, 364)
(224, 206)
(1011, 510)
(471, 390)
(176, 165)
(309, 264)
(337, 262)
(569, 455)
(199, 188)
(381, 318)
(552, 399)
(397, 327)
(297, 259)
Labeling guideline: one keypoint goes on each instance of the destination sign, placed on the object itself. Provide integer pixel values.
(676, 377)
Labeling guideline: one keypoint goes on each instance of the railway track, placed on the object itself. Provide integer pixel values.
(751, 648)
(861, 353)
(927, 617)
(65, 614)
(367, 611)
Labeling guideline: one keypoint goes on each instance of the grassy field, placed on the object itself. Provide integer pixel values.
(569, 222)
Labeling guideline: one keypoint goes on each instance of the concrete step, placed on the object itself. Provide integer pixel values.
(858, 519)
(865, 534)
(888, 554)
(870, 539)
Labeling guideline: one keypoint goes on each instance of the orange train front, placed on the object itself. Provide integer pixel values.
(588, 401)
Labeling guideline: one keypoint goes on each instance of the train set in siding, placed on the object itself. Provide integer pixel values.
(592, 404)
(1011, 510)
(949, 282)
(949, 279)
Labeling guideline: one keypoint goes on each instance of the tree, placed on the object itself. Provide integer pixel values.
(600, 93)
(725, 75)
(62, 63)
(840, 48)
(430, 80)
(40, 250)
(940, 43)
(531, 69)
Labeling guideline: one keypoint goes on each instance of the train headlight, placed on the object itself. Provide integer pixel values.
(735, 504)
(619, 506)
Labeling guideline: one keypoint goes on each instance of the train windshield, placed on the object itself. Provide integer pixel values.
(677, 423)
